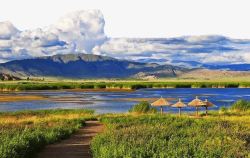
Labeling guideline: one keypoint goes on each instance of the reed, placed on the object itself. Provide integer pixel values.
(19, 86)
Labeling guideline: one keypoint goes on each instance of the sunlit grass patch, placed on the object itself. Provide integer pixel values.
(23, 133)
(172, 136)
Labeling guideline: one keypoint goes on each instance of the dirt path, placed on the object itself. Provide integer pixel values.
(77, 146)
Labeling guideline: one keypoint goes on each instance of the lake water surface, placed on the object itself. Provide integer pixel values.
(117, 102)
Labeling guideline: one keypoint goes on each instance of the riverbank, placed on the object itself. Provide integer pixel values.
(12, 98)
(116, 85)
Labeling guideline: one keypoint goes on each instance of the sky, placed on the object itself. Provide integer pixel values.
(140, 18)
(192, 32)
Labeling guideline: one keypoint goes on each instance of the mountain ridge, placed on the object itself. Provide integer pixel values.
(86, 66)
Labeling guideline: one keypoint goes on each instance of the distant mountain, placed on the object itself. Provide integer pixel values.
(232, 67)
(189, 64)
(86, 66)
(228, 67)
(8, 77)
(208, 74)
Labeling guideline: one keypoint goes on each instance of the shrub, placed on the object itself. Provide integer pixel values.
(241, 105)
(87, 86)
(143, 107)
(223, 110)
(100, 86)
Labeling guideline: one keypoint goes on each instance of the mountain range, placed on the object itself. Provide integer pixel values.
(228, 67)
(80, 66)
(86, 66)
(231, 67)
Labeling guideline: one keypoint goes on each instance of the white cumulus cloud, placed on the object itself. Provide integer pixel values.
(76, 32)
(7, 30)
(83, 28)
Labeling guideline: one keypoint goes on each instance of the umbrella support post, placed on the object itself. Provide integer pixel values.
(206, 111)
(197, 113)
(179, 111)
(161, 110)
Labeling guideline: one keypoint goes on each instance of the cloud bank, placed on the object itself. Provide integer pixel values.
(83, 32)
(192, 50)
(76, 32)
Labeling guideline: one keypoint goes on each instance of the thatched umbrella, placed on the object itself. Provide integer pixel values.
(196, 103)
(207, 104)
(179, 105)
(160, 103)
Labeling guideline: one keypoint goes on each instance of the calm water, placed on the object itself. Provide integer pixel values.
(108, 102)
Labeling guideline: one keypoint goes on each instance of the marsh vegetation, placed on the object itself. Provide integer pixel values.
(132, 85)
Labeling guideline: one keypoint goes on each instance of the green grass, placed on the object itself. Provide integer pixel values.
(117, 85)
(241, 105)
(43, 113)
(142, 107)
(157, 136)
(24, 133)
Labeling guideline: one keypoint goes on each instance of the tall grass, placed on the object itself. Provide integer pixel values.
(142, 108)
(119, 85)
(24, 133)
(168, 136)
(241, 105)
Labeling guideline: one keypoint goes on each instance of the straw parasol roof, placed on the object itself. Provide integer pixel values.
(160, 102)
(196, 102)
(208, 103)
(179, 104)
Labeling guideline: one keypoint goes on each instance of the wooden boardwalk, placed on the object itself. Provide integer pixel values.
(77, 146)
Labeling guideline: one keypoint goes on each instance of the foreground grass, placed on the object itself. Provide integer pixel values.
(24, 133)
(157, 136)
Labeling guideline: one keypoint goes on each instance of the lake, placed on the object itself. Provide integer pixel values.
(118, 102)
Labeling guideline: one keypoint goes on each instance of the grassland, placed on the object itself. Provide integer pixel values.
(160, 136)
(122, 85)
(24, 133)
